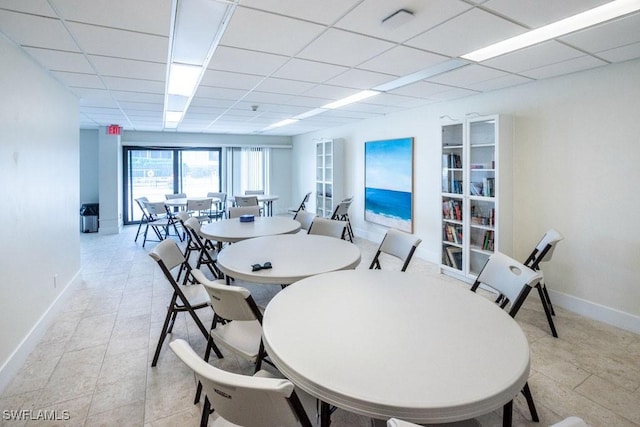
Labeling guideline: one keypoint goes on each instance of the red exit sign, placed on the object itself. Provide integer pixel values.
(113, 130)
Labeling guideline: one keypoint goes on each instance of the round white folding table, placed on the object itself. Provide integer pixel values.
(266, 199)
(389, 344)
(232, 230)
(292, 256)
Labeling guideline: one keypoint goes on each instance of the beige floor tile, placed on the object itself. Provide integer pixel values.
(69, 413)
(94, 361)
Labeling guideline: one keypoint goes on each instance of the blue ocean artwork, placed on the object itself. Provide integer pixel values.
(389, 182)
(389, 203)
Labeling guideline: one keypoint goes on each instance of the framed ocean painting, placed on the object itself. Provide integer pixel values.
(388, 183)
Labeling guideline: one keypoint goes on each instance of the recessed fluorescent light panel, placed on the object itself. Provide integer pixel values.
(310, 113)
(351, 99)
(196, 29)
(281, 123)
(440, 68)
(183, 79)
(586, 19)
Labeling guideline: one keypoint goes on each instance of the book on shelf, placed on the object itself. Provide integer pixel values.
(488, 241)
(488, 187)
(454, 257)
(451, 210)
(475, 188)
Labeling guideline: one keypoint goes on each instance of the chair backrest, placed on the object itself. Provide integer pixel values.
(246, 201)
(510, 278)
(305, 218)
(253, 192)
(218, 195)
(229, 302)
(544, 249)
(342, 209)
(328, 227)
(398, 244)
(176, 196)
(142, 204)
(182, 216)
(168, 255)
(198, 205)
(156, 209)
(243, 400)
(235, 212)
(303, 204)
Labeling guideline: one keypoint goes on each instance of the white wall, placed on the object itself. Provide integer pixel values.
(576, 158)
(89, 166)
(39, 156)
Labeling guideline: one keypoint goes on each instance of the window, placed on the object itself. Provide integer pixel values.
(250, 166)
(155, 172)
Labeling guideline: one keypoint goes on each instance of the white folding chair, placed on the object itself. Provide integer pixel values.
(218, 209)
(199, 208)
(398, 244)
(205, 248)
(394, 422)
(341, 212)
(235, 212)
(186, 297)
(257, 401)
(159, 220)
(513, 282)
(303, 204)
(328, 227)
(305, 218)
(543, 252)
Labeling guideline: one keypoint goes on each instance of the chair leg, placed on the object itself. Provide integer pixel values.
(163, 334)
(532, 407)
(138, 232)
(206, 410)
(547, 312)
(507, 414)
(546, 296)
(173, 321)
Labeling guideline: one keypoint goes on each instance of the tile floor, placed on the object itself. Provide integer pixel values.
(94, 362)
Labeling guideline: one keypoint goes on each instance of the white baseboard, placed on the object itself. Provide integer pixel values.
(601, 313)
(17, 359)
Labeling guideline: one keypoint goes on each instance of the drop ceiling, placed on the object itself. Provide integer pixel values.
(282, 58)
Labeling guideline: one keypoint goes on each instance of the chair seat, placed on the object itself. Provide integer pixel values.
(239, 336)
(196, 295)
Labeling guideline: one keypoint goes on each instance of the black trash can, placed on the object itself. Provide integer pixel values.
(89, 217)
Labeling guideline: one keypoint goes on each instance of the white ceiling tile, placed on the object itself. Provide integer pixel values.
(570, 66)
(79, 80)
(267, 32)
(211, 102)
(324, 12)
(245, 61)
(505, 81)
(623, 53)
(120, 43)
(291, 87)
(36, 31)
(394, 98)
(344, 48)
(367, 17)
(453, 93)
(310, 71)
(331, 92)
(95, 102)
(421, 89)
(360, 79)
(92, 94)
(536, 13)
(36, 7)
(230, 80)
(617, 33)
(402, 60)
(134, 85)
(467, 75)
(534, 57)
(258, 97)
(307, 101)
(219, 92)
(124, 14)
(480, 29)
(57, 60)
(119, 67)
(137, 96)
(141, 106)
